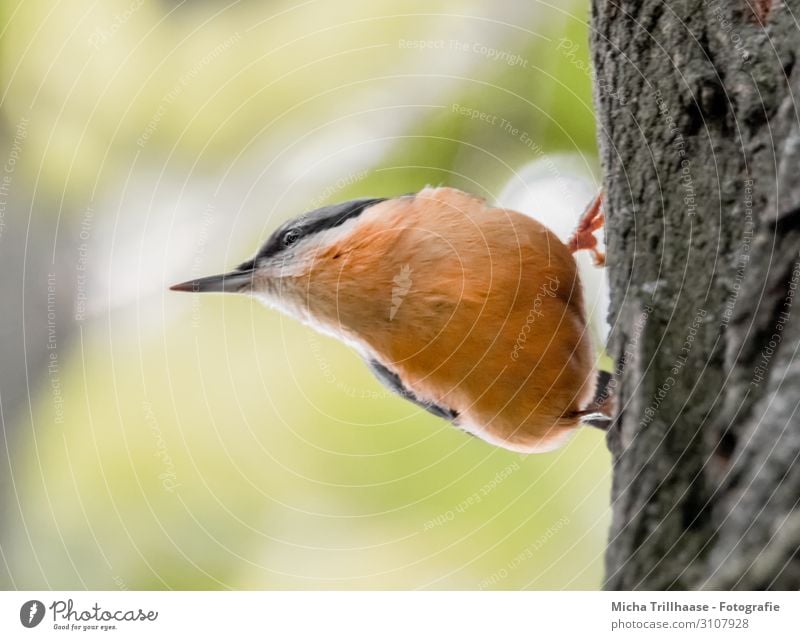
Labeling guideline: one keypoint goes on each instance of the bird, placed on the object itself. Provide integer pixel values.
(472, 312)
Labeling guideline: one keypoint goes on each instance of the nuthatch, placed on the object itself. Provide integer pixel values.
(474, 313)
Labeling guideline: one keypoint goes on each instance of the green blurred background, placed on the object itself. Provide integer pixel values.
(157, 440)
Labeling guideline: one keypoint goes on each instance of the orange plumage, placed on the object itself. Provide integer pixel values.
(492, 324)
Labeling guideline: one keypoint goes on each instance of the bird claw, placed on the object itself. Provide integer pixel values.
(761, 10)
(583, 238)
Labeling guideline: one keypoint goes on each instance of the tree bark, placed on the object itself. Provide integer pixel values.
(700, 145)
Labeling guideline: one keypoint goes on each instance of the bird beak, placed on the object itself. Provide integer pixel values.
(232, 282)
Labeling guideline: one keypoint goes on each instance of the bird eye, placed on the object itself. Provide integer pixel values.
(290, 237)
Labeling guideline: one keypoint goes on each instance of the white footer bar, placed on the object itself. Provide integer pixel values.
(387, 615)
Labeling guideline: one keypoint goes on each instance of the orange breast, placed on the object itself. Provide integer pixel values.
(480, 310)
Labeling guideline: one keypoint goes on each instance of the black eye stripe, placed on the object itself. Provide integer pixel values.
(309, 224)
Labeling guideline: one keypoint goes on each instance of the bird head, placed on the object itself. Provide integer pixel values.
(299, 269)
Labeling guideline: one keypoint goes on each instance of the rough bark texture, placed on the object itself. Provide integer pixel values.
(700, 145)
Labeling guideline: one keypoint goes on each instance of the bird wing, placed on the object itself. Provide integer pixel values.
(392, 381)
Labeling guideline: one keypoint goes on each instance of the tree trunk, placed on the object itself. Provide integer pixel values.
(700, 146)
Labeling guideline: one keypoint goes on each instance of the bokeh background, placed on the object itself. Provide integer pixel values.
(159, 440)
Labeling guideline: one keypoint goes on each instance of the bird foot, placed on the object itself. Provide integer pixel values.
(583, 238)
(761, 10)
